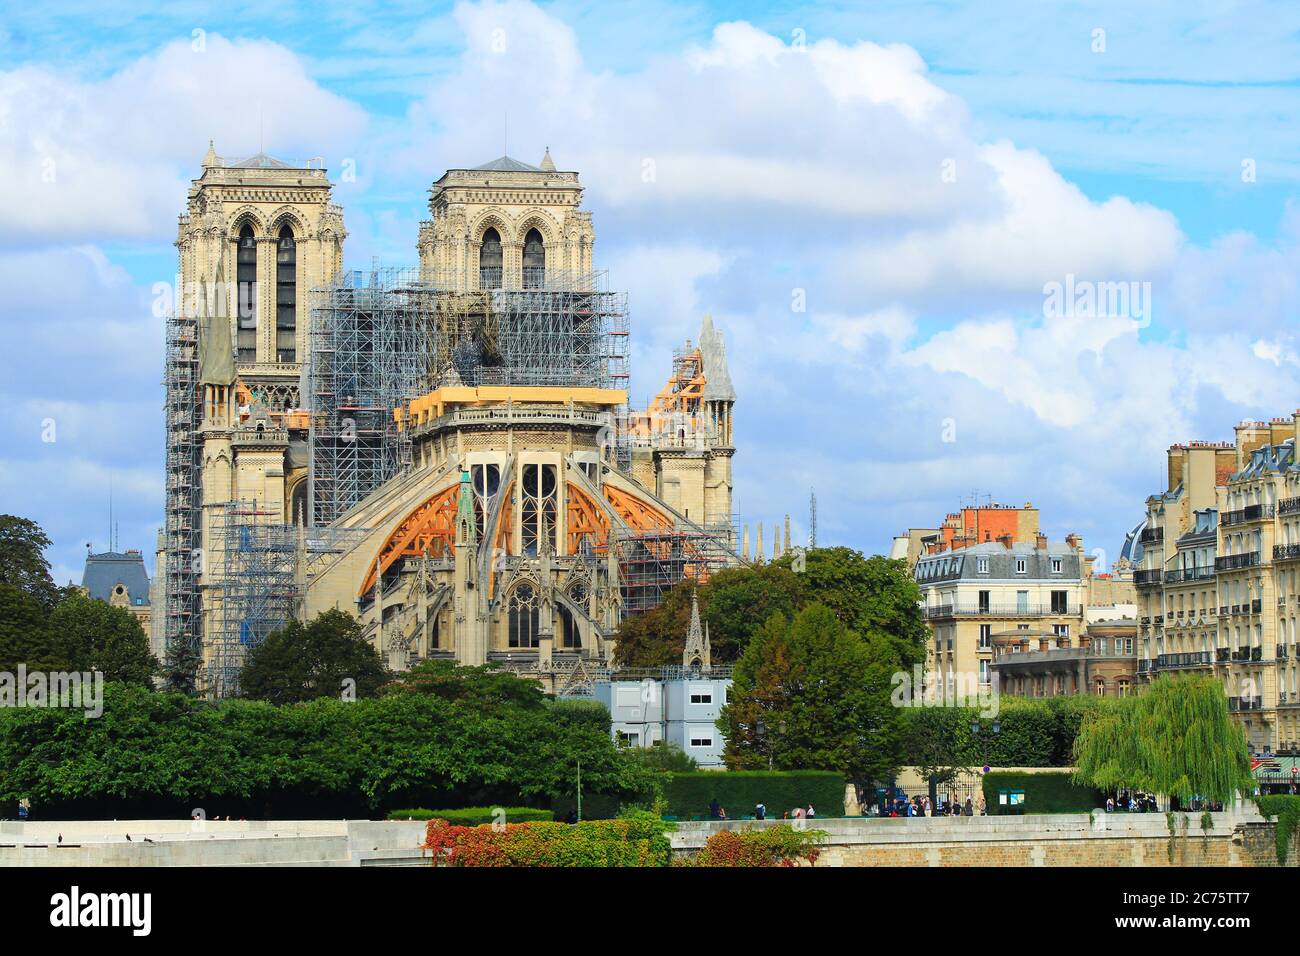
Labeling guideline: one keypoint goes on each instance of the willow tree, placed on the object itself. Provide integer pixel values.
(1175, 738)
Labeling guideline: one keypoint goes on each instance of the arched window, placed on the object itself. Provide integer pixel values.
(298, 504)
(569, 638)
(534, 260)
(538, 509)
(286, 298)
(489, 261)
(246, 277)
(522, 612)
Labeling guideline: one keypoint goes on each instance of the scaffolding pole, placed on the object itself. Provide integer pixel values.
(182, 529)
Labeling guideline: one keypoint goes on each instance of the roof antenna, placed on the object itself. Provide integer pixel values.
(505, 136)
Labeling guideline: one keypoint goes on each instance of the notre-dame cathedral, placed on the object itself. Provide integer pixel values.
(446, 452)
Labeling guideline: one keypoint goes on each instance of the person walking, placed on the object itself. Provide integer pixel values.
(715, 809)
(760, 812)
(969, 809)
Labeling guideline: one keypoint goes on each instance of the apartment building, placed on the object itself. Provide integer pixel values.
(1218, 571)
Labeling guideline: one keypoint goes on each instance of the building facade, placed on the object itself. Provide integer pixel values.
(1218, 576)
(445, 452)
(120, 579)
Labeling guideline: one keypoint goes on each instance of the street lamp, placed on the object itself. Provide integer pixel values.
(977, 731)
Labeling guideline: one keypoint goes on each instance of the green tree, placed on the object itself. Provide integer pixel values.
(810, 694)
(302, 662)
(1175, 738)
(24, 632)
(657, 637)
(92, 635)
(22, 560)
(484, 685)
(181, 663)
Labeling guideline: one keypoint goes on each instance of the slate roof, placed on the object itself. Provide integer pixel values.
(505, 164)
(105, 571)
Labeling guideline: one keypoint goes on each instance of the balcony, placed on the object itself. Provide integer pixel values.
(1146, 667)
(1234, 562)
(1241, 655)
(1246, 515)
(1147, 578)
(1190, 659)
(1245, 703)
(1152, 536)
(1188, 574)
(1257, 653)
(1286, 552)
(1221, 655)
(999, 610)
(1256, 605)
(1288, 506)
(1280, 652)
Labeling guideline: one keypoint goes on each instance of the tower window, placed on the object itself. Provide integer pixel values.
(286, 297)
(568, 629)
(246, 278)
(534, 260)
(489, 261)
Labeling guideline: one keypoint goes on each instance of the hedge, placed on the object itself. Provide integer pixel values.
(474, 816)
(739, 791)
(1044, 793)
(1032, 733)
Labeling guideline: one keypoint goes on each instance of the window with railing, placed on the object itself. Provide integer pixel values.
(489, 260)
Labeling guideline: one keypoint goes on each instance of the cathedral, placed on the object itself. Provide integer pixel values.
(446, 452)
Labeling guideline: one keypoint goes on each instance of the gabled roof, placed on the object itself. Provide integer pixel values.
(505, 164)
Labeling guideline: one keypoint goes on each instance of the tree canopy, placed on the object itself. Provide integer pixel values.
(810, 694)
(92, 635)
(323, 658)
(22, 560)
(1175, 738)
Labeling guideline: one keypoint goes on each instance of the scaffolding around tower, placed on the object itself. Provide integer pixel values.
(652, 561)
(254, 589)
(182, 528)
(384, 337)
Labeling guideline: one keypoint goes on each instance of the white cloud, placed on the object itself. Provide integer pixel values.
(91, 159)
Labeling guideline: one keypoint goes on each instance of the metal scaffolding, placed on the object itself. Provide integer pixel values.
(384, 337)
(651, 562)
(182, 530)
(254, 589)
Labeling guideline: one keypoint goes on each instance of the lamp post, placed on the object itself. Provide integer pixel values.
(977, 731)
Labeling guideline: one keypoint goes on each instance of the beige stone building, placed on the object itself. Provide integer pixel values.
(445, 452)
(1218, 574)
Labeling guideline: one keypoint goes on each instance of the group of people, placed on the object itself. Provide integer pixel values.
(718, 812)
(921, 806)
(1132, 802)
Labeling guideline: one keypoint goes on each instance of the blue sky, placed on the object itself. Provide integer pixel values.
(916, 172)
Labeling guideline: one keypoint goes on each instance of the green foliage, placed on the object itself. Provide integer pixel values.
(24, 632)
(1033, 733)
(663, 758)
(874, 597)
(166, 753)
(483, 686)
(1044, 793)
(22, 561)
(92, 635)
(1176, 738)
(474, 816)
(303, 662)
(812, 695)
(636, 840)
(740, 791)
(1286, 808)
(181, 667)
(779, 845)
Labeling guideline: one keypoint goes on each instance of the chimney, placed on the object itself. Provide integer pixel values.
(1040, 542)
(1006, 540)
(1074, 541)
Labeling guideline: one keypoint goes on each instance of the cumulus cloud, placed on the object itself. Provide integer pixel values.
(93, 159)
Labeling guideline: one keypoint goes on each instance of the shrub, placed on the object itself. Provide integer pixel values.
(1044, 793)
(779, 845)
(638, 840)
(739, 791)
(1287, 810)
(473, 816)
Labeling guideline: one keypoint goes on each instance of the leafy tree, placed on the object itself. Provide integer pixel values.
(1175, 738)
(875, 597)
(302, 662)
(22, 560)
(24, 631)
(663, 758)
(811, 694)
(484, 685)
(93, 635)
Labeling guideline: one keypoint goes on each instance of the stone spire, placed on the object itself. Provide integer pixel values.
(696, 653)
(548, 164)
(210, 158)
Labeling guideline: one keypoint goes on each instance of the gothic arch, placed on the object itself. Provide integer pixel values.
(428, 527)
(492, 219)
(539, 220)
(287, 216)
(247, 215)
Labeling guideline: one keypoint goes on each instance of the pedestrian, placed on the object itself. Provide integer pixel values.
(969, 809)
(810, 812)
(760, 812)
(715, 809)
(1110, 804)
(983, 807)
(929, 807)
(798, 813)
